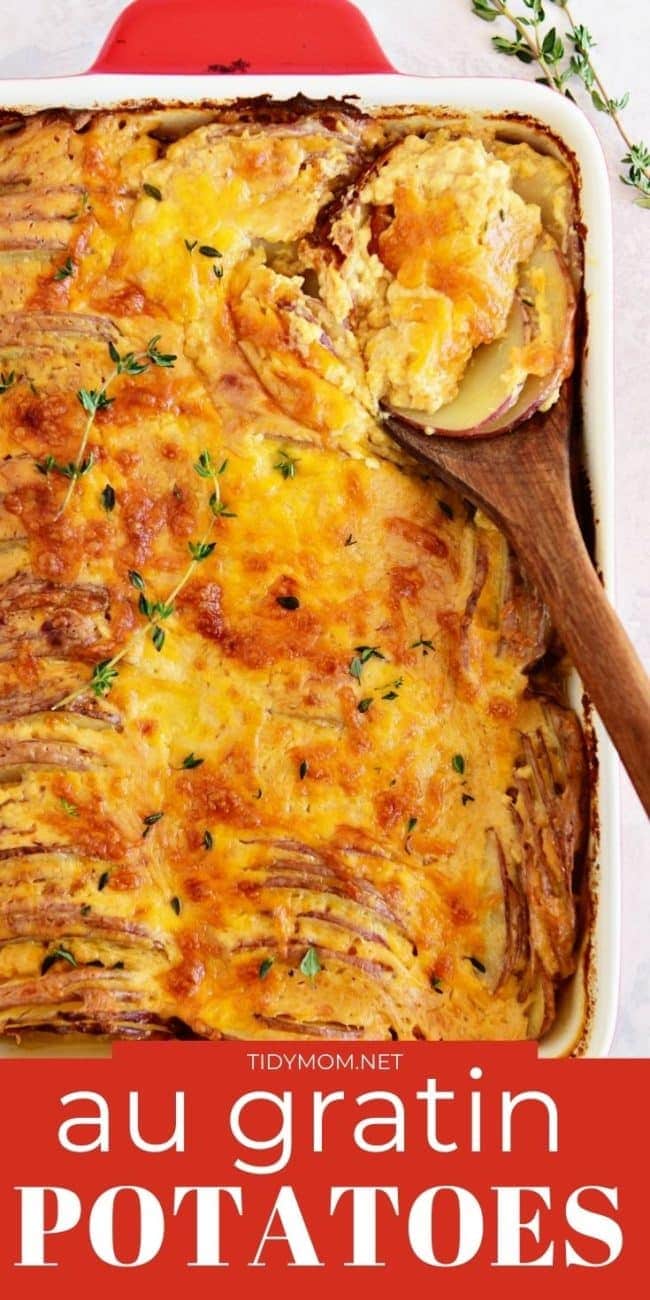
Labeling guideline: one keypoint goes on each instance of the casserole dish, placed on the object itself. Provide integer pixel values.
(528, 115)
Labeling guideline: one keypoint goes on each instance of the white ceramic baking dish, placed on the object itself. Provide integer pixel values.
(586, 1021)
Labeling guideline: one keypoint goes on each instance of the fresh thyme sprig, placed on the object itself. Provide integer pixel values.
(564, 57)
(71, 470)
(93, 400)
(155, 612)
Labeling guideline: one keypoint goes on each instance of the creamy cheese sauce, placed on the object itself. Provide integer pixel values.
(337, 751)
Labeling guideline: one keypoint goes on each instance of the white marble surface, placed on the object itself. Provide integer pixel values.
(436, 37)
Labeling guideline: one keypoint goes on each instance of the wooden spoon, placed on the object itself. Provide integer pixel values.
(522, 481)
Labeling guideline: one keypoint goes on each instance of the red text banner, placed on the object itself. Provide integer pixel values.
(318, 1168)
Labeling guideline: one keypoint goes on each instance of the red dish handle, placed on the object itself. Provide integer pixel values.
(241, 36)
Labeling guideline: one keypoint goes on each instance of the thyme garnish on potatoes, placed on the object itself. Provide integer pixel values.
(58, 954)
(93, 400)
(362, 653)
(156, 612)
(564, 58)
(64, 271)
(286, 464)
(390, 690)
(108, 498)
(310, 964)
(150, 820)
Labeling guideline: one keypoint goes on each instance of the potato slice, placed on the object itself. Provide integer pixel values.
(490, 386)
(547, 298)
(544, 180)
(547, 280)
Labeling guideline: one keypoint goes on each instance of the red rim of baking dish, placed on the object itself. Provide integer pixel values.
(245, 36)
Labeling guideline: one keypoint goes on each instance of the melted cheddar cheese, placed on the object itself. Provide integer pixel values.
(431, 253)
(329, 801)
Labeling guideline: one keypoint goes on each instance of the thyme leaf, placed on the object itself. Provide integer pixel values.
(389, 691)
(478, 965)
(108, 498)
(286, 464)
(65, 270)
(149, 821)
(50, 465)
(366, 652)
(157, 611)
(93, 400)
(103, 676)
(354, 668)
(84, 206)
(204, 466)
(220, 509)
(200, 550)
(58, 954)
(425, 645)
(310, 964)
(164, 360)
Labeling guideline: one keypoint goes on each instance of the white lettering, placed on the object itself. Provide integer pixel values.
(208, 1221)
(295, 1233)
(32, 1222)
(281, 1139)
(364, 1222)
(599, 1227)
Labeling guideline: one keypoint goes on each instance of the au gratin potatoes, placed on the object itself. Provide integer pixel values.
(284, 744)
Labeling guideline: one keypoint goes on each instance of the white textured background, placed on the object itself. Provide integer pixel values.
(441, 37)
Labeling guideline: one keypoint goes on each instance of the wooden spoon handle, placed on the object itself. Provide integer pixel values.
(558, 561)
(522, 480)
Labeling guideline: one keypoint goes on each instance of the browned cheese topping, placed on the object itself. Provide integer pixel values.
(275, 759)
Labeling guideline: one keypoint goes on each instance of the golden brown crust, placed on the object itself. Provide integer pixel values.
(332, 804)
